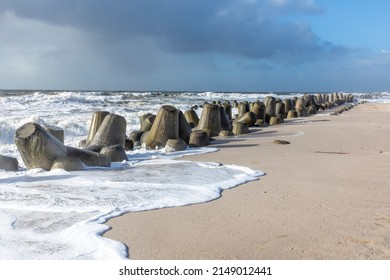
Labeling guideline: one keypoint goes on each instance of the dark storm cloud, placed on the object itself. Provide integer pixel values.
(245, 28)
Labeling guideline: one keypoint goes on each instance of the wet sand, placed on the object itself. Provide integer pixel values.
(326, 195)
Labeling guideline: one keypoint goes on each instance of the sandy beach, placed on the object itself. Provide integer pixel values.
(326, 195)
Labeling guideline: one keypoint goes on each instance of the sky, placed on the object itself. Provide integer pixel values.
(199, 45)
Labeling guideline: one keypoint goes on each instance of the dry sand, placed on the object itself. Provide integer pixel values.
(325, 196)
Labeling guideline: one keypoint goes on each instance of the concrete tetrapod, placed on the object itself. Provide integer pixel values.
(210, 120)
(175, 145)
(199, 138)
(288, 105)
(165, 126)
(249, 118)
(8, 163)
(228, 109)
(89, 158)
(116, 153)
(136, 135)
(275, 120)
(97, 120)
(191, 117)
(300, 107)
(68, 164)
(243, 107)
(258, 109)
(292, 114)
(111, 132)
(184, 128)
(240, 128)
(225, 121)
(280, 108)
(146, 121)
(225, 133)
(270, 107)
(56, 132)
(39, 149)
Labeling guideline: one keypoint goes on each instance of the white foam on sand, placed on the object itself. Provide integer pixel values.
(60, 215)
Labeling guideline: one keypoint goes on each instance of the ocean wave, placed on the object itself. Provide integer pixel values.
(7, 133)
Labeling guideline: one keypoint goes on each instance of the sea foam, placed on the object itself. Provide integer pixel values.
(60, 215)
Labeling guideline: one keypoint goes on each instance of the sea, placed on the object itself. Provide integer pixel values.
(61, 215)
